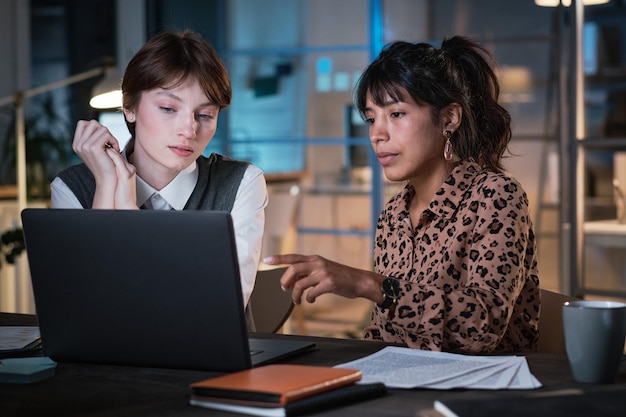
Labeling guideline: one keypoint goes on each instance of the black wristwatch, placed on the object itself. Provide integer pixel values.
(391, 291)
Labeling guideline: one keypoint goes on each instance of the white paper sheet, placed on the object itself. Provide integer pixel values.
(399, 367)
(17, 337)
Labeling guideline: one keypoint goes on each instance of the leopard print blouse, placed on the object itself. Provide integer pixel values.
(468, 269)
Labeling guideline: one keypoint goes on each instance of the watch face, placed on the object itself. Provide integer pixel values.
(391, 287)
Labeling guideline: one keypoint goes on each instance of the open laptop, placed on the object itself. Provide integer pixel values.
(142, 287)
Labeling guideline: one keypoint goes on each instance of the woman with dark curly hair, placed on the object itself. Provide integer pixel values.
(455, 258)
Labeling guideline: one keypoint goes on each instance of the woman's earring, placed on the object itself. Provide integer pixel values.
(447, 149)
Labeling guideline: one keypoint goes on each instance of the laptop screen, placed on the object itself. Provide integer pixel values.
(138, 287)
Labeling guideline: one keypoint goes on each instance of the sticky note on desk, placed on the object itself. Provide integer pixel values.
(26, 370)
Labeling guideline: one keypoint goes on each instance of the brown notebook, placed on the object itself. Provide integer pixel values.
(335, 398)
(273, 385)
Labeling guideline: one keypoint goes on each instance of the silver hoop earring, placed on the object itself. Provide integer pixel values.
(447, 149)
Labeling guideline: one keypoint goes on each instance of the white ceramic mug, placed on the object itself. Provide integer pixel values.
(594, 339)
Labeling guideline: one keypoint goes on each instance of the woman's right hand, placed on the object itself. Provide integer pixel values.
(310, 276)
(115, 177)
(90, 143)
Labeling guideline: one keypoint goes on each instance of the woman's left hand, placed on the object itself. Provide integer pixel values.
(125, 190)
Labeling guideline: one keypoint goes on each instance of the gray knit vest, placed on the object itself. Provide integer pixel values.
(218, 181)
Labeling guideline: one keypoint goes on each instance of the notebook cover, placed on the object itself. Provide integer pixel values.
(335, 398)
(276, 384)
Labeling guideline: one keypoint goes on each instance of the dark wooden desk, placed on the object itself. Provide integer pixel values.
(101, 390)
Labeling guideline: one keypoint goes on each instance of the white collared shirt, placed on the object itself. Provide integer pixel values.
(248, 211)
(175, 194)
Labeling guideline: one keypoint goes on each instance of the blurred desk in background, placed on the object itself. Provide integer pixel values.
(604, 254)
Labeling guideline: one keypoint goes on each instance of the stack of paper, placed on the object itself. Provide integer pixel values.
(399, 367)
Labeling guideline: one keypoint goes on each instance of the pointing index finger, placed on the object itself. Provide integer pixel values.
(291, 258)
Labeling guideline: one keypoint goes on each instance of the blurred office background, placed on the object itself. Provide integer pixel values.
(293, 64)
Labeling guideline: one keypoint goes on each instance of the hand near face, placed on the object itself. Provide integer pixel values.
(126, 186)
(115, 177)
(90, 139)
(320, 276)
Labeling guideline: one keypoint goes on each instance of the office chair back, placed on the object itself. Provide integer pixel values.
(270, 305)
(280, 220)
(551, 336)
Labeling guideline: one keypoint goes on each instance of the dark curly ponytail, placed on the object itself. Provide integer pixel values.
(459, 72)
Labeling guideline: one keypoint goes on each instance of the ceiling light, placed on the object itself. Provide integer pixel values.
(107, 94)
(567, 3)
